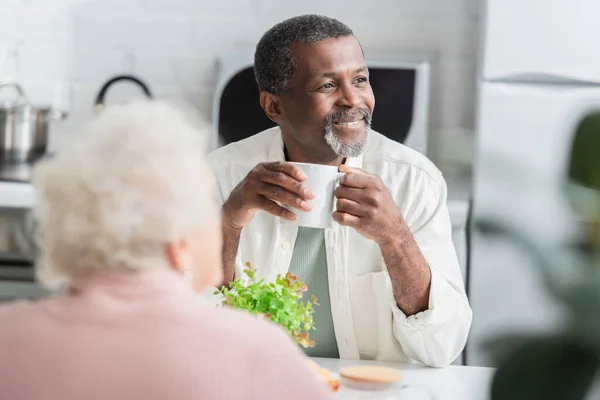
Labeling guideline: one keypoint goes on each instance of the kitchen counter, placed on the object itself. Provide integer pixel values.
(16, 195)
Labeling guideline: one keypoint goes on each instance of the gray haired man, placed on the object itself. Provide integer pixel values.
(386, 274)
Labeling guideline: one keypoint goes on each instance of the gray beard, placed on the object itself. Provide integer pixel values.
(343, 149)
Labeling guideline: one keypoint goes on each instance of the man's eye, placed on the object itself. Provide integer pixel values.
(328, 86)
(362, 80)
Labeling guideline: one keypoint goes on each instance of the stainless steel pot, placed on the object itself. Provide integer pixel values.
(24, 128)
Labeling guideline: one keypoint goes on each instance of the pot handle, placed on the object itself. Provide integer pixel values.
(21, 97)
(99, 105)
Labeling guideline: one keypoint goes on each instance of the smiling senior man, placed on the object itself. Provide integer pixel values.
(386, 274)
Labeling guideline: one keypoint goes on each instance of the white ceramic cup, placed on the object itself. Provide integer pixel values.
(322, 180)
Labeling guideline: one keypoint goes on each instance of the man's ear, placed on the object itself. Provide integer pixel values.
(271, 104)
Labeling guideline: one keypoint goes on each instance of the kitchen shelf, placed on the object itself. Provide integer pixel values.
(16, 195)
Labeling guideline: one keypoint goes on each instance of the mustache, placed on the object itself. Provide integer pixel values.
(349, 115)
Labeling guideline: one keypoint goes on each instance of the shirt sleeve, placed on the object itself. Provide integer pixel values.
(437, 335)
(221, 197)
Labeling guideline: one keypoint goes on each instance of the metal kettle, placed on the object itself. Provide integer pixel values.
(24, 128)
(99, 104)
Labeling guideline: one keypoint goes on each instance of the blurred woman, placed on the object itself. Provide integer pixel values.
(130, 229)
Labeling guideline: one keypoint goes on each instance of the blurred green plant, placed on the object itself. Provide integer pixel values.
(583, 177)
(563, 364)
(279, 302)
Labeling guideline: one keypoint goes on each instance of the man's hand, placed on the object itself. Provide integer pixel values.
(267, 187)
(365, 204)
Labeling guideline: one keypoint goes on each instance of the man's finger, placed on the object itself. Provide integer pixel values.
(345, 168)
(351, 193)
(357, 180)
(346, 219)
(283, 196)
(273, 208)
(287, 182)
(288, 168)
(350, 207)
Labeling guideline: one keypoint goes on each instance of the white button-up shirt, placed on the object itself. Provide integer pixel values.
(368, 323)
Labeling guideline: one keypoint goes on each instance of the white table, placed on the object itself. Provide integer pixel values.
(452, 383)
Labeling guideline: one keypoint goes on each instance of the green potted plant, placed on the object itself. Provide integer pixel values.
(279, 301)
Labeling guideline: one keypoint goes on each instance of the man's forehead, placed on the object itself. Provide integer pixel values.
(329, 56)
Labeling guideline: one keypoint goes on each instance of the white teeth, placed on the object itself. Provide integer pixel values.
(349, 123)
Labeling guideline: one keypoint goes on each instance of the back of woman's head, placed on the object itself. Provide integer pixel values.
(134, 180)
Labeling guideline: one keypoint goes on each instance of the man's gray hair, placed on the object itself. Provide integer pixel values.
(274, 63)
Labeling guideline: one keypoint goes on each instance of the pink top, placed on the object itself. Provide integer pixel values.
(145, 336)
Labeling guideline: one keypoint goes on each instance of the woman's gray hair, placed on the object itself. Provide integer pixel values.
(133, 181)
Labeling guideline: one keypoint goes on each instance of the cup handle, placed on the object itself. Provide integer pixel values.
(338, 180)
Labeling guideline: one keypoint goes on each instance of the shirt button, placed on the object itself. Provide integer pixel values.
(285, 245)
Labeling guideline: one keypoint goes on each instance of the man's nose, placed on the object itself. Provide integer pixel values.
(350, 96)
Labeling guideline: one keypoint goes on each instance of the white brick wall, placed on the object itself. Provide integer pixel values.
(68, 48)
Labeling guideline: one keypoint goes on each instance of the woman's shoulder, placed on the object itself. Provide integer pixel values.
(261, 339)
(17, 315)
(15, 308)
(252, 329)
